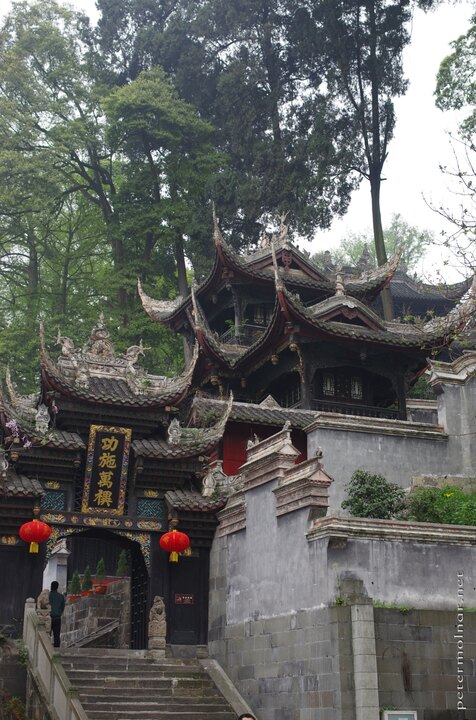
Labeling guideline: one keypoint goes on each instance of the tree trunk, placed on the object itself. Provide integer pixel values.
(379, 241)
(33, 273)
(376, 160)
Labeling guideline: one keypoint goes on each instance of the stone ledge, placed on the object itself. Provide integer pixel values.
(304, 486)
(457, 372)
(377, 426)
(233, 516)
(392, 530)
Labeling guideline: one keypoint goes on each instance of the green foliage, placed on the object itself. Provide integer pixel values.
(372, 496)
(414, 241)
(87, 582)
(455, 88)
(403, 609)
(421, 390)
(250, 72)
(122, 564)
(100, 573)
(22, 654)
(447, 505)
(77, 244)
(75, 585)
(12, 708)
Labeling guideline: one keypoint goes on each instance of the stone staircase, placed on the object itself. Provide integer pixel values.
(128, 685)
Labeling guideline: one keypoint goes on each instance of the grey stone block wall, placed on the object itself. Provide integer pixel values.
(88, 614)
(296, 666)
(417, 662)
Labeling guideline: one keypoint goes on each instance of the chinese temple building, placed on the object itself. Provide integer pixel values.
(277, 330)
(100, 449)
(114, 456)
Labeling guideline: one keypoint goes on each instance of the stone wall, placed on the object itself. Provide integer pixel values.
(402, 450)
(292, 595)
(296, 666)
(417, 662)
(88, 614)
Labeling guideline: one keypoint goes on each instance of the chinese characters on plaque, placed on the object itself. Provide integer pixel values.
(107, 461)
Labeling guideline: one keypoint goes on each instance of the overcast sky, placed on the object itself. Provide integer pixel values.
(420, 144)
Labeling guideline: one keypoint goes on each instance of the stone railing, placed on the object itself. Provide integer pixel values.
(51, 685)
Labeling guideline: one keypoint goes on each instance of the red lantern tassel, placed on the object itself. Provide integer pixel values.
(187, 552)
(34, 547)
(173, 556)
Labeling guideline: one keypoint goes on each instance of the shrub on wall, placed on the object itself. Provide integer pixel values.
(372, 496)
(447, 505)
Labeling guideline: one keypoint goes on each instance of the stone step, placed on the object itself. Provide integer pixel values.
(116, 699)
(75, 655)
(118, 694)
(165, 692)
(124, 654)
(133, 671)
(161, 715)
(128, 685)
(184, 704)
(79, 677)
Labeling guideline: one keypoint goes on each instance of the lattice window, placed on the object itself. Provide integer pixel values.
(328, 387)
(53, 500)
(356, 387)
(151, 508)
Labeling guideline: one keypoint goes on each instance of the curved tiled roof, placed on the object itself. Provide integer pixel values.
(434, 333)
(54, 438)
(192, 501)
(191, 441)
(117, 391)
(368, 284)
(16, 485)
(203, 408)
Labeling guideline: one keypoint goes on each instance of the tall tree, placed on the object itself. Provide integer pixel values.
(455, 86)
(167, 160)
(456, 90)
(245, 68)
(363, 41)
(74, 235)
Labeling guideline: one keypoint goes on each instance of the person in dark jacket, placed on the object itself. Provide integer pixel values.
(57, 603)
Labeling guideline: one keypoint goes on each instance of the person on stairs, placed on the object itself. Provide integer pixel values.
(57, 603)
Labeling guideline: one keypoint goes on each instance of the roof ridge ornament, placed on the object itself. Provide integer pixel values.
(340, 288)
(24, 405)
(282, 237)
(277, 278)
(217, 236)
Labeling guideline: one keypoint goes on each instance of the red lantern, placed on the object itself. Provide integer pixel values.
(35, 532)
(174, 542)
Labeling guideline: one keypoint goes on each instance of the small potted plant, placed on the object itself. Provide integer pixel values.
(99, 586)
(87, 584)
(122, 564)
(74, 587)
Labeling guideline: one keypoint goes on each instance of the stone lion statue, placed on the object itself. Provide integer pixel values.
(43, 608)
(157, 624)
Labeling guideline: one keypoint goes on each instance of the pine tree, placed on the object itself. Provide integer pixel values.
(122, 564)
